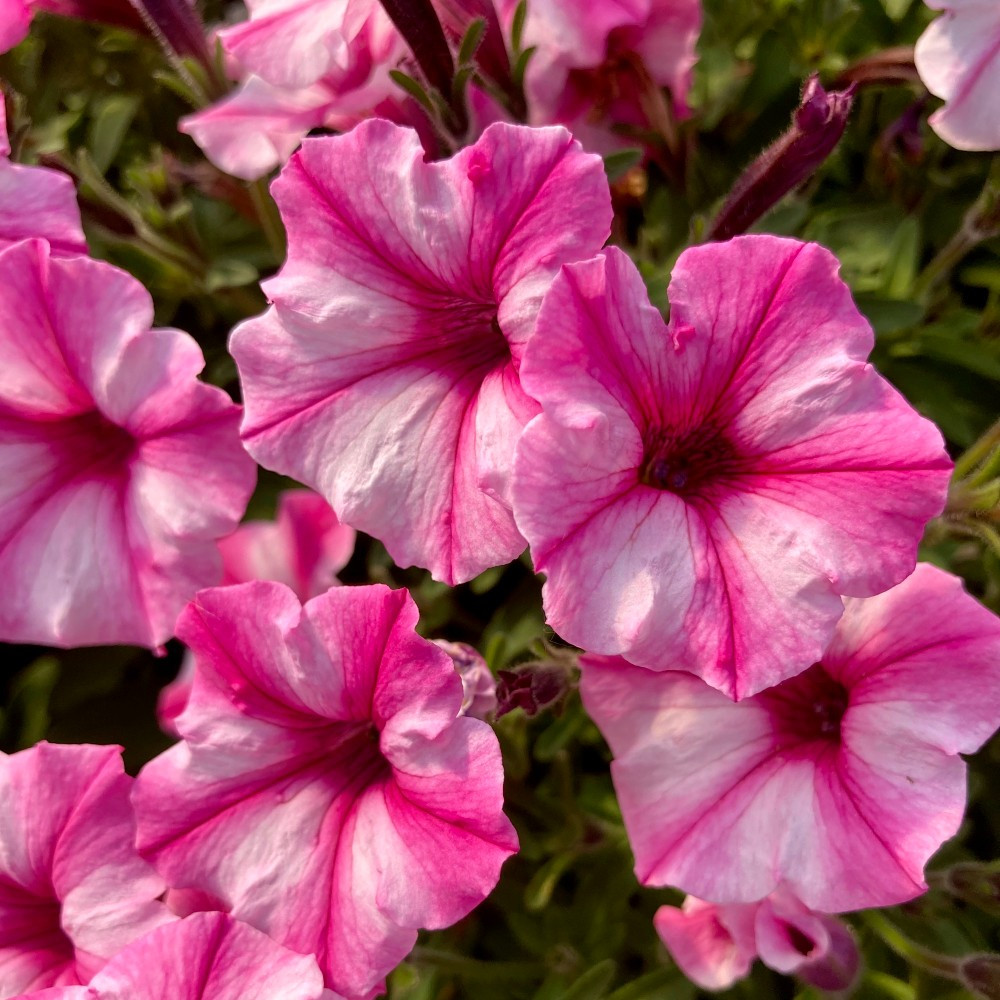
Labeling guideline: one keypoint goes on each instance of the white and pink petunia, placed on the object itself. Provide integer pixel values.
(207, 955)
(36, 201)
(304, 547)
(958, 59)
(401, 315)
(836, 785)
(701, 495)
(327, 790)
(119, 470)
(73, 891)
(600, 75)
(715, 946)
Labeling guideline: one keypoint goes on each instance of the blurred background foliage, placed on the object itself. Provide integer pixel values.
(568, 920)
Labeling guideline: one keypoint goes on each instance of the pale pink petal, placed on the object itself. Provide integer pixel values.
(304, 547)
(73, 891)
(714, 946)
(209, 955)
(258, 126)
(409, 292)
(39, 202)
(313, 738)
(958, 59)
(739, 467)
(289, 43)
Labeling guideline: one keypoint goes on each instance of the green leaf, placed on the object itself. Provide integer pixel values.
(108, 127)
(618, 164)
(413, 87)
(521, 65)
(517, 28)
(471, 41)
(593, 984)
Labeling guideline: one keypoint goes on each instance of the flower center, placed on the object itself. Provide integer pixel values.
(808, 708)
(94, 444)
(684, 463)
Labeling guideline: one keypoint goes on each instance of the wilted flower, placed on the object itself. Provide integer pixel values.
(715, 945)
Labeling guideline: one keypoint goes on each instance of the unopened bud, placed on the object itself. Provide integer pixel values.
(981, 975)
(531, 687)
(817, 125)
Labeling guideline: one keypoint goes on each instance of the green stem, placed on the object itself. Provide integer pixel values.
(981, 222)
(930, 961)
(978, 452)
(269, 217)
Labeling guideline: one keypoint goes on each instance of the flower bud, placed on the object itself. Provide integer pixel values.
(980, 974)
(531, 687)
(817, 125)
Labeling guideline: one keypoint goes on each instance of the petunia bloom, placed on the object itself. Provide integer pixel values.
(715, 946)
(958, 59)
(701, 494)
(36, 201)
(206, 955)
(601, 75)
(304, 547)
(836, 785)
(119, 468)
(73, 891)
(327, 790)
(401, 316)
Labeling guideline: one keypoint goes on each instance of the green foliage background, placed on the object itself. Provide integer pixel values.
(568, 921)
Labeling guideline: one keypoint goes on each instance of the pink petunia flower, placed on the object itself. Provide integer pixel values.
(715, 946)
(701, 494)
(120, 469)
(401, 316)
(206, 955)
(837, 784)
(73, 891)
(304, 547)
(600, 75)
(327, 790)
(36, 201)
(958, 59)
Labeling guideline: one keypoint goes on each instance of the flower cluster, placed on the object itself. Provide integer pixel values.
(726, 505)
